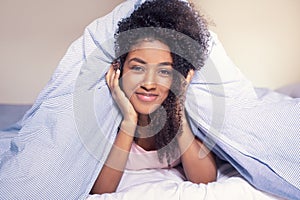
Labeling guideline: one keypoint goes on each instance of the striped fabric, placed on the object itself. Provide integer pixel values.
(58, 148)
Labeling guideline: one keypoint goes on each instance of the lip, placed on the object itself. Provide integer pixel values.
(147, 97)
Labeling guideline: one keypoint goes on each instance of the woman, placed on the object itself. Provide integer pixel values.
(158, 51)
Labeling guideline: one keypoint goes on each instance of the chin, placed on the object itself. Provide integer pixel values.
(148, 110)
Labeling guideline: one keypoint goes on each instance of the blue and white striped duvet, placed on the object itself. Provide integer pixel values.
(58, 148)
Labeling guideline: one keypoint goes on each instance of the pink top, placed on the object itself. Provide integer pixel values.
(139, 159)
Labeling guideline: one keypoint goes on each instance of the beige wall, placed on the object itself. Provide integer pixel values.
(261, 37)
(34, 36)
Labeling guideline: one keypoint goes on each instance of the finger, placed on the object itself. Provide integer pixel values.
(189, 76)
(108, 76)
(116, 78)
(112, 78)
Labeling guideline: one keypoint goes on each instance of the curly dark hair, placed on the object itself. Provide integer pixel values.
(178, 25)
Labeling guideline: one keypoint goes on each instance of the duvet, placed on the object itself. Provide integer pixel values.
(59, 146)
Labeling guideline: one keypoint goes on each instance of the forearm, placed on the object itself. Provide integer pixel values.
(197, 160)
(112, 171)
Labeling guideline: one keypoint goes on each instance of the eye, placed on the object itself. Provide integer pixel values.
(165, 72)
(137, 68)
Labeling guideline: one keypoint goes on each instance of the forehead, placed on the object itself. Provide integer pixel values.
(152, 51)
(150, 44)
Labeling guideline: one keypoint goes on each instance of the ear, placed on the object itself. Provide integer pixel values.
(189, 76)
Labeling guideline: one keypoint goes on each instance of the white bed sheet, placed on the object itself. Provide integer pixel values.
(167, 184)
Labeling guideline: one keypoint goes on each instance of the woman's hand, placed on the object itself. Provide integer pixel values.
(188, 78)
(128, 111)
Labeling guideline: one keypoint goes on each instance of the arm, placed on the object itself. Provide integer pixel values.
(197, 160)
(112, 170)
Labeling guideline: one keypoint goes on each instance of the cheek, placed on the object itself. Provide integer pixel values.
(165, 83)
(165, 89)
(129, 84)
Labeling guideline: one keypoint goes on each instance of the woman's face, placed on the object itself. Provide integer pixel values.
(147, 75)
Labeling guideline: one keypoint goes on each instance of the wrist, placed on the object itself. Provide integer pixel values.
(128, 127)
(131, 118)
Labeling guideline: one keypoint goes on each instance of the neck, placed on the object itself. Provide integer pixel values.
(143, 120)
(144, 138)
(143, 129)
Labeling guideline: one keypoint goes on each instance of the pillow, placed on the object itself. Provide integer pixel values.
(57, 150)
(292, 90)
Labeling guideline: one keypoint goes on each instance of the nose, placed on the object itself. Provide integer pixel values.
(149, 82)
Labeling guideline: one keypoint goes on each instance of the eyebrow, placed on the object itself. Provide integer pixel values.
(137, 60)
(144, 62)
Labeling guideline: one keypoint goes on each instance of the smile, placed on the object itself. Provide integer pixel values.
(148, 97)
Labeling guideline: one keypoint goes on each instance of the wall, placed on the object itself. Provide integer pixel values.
(261, 37)
(34, 36)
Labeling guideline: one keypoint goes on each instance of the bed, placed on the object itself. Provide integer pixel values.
(11, 113)
(168, 184)
(165, 183)
(58, 145)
